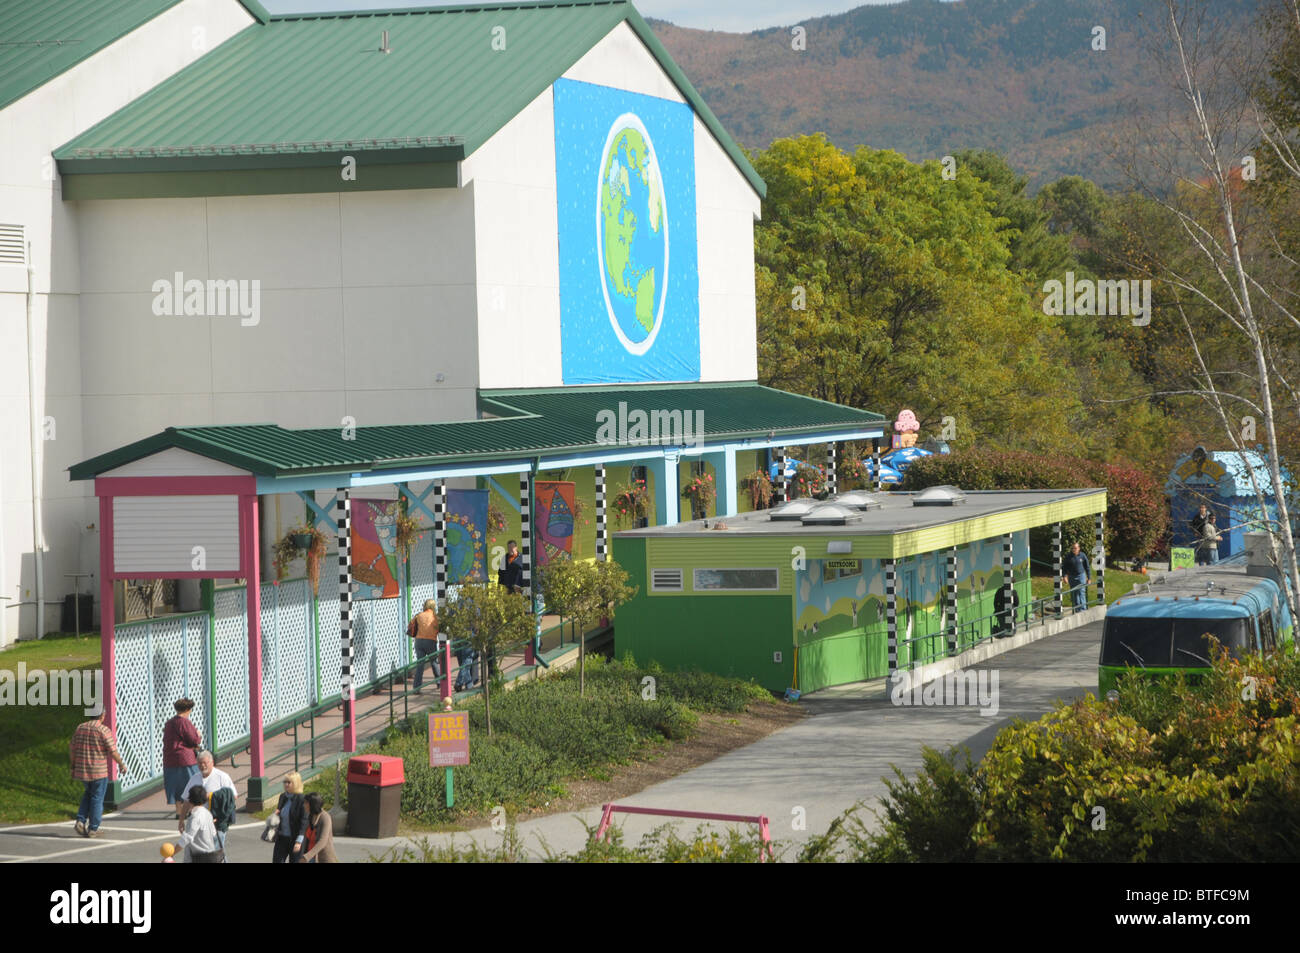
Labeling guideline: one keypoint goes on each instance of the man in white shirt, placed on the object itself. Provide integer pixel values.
(210, 776)
(199, 834)
(211, 779)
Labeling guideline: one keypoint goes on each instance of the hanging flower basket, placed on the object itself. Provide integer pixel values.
(631, 504)
(759, 487)
(701, 491)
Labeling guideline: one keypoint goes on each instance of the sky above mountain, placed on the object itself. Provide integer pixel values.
(736, 16)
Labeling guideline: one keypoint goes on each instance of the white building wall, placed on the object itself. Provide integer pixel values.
(517, 234)
(30, 195)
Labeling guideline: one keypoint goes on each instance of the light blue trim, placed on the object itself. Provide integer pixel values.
(667, 490)
(322, 513)
(514, 504)
(418, 501)
(440, 473)
(724, 466)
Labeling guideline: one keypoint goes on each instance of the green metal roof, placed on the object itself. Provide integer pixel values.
(314, 84)
(533, 423)
(40, 39)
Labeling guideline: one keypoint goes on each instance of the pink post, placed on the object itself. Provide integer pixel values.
(107, 610)
(446, 669)
(249, 561)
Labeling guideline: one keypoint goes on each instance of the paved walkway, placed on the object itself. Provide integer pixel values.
(813, 770)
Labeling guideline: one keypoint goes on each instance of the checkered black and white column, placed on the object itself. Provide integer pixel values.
(1099, 559)
(439, 540)
(1008, 583)
(832, 481)
(343, 519)
(875, 462)
(602, 532)
(1057, 590)
(952, 600)
(782, 490)
(891, 613)
(526, 529)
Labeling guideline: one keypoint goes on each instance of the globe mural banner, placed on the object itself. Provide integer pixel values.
(625, 190)
(466, 535)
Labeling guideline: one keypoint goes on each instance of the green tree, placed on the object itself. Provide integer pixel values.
(881, 284)
(493, 620)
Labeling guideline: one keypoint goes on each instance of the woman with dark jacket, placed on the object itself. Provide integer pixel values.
(290, 822)
(320, 833)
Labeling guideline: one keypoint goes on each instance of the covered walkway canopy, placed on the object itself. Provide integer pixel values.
(183, 503)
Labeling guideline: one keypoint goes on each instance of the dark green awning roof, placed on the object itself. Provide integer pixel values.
(312, 85)
(530, 423)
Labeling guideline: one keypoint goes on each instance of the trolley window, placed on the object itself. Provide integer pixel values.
(1136, 642)
(1192, 639)
(1267, 633)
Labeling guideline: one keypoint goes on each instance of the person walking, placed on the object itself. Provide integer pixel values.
(289, 822)
(1077, 573)
(320, 833)
(199, 832)
(423, 627)
(180, 743)
(466, 663)
(92, 747)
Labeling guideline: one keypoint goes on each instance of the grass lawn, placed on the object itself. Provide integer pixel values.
(35, 782)
(1118, 583)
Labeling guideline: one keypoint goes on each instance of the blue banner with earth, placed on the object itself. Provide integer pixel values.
(629, 282)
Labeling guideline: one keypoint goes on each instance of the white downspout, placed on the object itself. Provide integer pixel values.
(38, 535)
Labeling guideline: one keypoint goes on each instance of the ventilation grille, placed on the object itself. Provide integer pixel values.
(665, 580)
(13, 245)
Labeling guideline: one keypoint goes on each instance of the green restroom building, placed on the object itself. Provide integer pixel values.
(856, 586)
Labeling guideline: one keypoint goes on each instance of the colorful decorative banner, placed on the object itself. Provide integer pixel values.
(466, 535)
(374, 548)
(554, 523)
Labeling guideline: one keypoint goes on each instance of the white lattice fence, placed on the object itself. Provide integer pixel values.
(134, 699)
(286, 650)
(157, 663)
(330, 652)
(232, 666)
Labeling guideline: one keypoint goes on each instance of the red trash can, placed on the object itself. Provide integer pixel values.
(375, 795)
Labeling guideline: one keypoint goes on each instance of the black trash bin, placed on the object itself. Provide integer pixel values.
(375, 795)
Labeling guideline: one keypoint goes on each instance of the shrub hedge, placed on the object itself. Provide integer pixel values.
(1171, 772)
(1136, 516)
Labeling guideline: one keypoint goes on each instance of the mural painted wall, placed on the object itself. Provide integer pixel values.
(840, 608)
(625, 191)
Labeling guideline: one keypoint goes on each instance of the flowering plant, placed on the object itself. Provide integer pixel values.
(701, 491)
(631, 504)
(759, 486)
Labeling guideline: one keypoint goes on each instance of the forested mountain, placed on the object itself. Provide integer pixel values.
(928, 78)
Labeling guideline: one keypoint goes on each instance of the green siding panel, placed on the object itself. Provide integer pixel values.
(285, 181)
(735, 635)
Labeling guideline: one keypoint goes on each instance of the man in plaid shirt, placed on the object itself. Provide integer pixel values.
(92, 746)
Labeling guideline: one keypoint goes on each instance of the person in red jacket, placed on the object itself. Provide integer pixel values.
(181, 744)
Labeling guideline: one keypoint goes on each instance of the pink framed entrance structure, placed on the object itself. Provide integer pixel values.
(129, 556)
